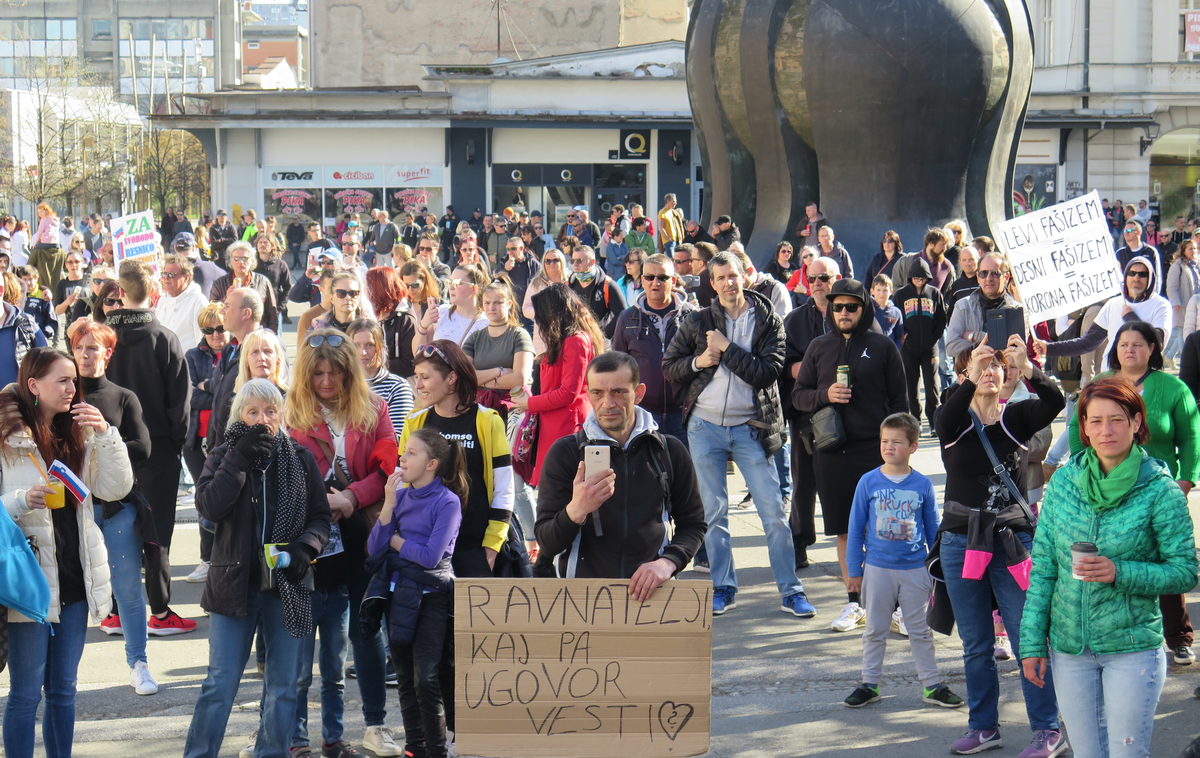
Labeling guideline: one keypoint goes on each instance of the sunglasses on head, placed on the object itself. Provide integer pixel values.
(333, 340)
(655, 278)
(824, 278)
(113, 301)
(1138, 274)
(984, 273)
(209, 330)
(847, 307)
(429, 350)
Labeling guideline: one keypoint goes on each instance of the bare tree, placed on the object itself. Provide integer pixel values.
(71, 141)
(173, 169)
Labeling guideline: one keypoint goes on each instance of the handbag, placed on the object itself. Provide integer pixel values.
(524, 443)
(828, 432)
(357, 527)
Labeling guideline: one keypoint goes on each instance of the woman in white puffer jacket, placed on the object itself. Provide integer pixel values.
(43, 418)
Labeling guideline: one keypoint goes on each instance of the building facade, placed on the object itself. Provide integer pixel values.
(1115, 104)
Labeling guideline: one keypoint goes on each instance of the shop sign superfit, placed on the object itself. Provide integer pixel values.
(414, 175)
(291, 176)
(354, 176)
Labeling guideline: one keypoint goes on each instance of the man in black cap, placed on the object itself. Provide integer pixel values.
(875, 390)
(204, 273)
(476, 221)
(448, 226)
(725, 233)
(221, 236)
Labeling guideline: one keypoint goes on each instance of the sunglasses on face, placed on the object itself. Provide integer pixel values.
(514, 249)
(172, 275)
(537, 228)
(579, 262)
(1138, 274)
(100, 282)
(239, 259)
(984, 273)
(425, 249)
(554, 262)
(430, 350)
(655, 278)
(1132, 230)
(683, 260)
(633, 260)
(414, 286)
(343, 294)
(113, 302)
(847, 307)
(333, 340)
(823, 278)
(210, 330)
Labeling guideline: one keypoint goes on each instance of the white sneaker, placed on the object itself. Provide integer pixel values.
(199, 574)
(379, 741)
(248, 751)
(140, 679)
(852, 617)
(898, 623)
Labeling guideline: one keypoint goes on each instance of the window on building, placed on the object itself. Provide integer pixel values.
(102, 28)
(252, 45)
(1047, 40)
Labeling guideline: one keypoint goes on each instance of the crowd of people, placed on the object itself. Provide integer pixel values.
(448, 379)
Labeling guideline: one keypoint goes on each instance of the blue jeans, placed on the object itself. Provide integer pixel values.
(712, 446)
(1175, 344)
(331, 617)
(669, 248)
(524, 505)
(672, 424)
(783, 468)
(125, 563)
(1060, 451)
(44, 657)
(370, 660)
(971, 600)
(229, 639)
(1109, 700)
(945, 366)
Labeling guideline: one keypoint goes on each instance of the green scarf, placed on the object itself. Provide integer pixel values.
(1108, 491)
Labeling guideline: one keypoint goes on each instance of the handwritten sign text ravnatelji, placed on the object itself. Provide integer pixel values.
(554, 667)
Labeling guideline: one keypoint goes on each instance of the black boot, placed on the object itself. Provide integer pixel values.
(801, 558)
(435, 734)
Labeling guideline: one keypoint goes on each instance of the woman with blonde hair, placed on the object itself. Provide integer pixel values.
(464, 315)
(331, 412)
(262, 356)
(554, 271)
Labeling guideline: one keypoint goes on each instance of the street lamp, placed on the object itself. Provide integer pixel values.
(1152, 130)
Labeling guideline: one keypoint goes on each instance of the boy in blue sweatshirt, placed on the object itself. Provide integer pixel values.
(894, 515)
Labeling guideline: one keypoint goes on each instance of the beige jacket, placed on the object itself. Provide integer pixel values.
(107, 474)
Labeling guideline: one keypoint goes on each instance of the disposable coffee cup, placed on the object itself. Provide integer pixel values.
(1080, 550)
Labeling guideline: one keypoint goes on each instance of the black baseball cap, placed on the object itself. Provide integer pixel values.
(724, 220)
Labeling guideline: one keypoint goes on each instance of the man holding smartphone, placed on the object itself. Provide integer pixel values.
(610, 526)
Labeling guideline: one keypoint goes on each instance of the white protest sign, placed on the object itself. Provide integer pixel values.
(133, 236)
(1062, 257)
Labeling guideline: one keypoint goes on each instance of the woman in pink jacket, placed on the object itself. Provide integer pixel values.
(572, 338)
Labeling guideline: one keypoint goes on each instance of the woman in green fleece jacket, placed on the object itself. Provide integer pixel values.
(1106, 634)
(1171, 419)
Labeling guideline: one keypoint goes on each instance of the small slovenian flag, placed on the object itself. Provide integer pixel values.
(74, 484)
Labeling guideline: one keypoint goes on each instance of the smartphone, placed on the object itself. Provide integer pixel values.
(595, 460)
(1002, 323)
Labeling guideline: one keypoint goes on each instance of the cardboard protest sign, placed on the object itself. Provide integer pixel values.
(555, 667)
(133, 236)
(1062, 257)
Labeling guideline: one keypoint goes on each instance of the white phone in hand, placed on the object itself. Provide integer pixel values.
(596, 460)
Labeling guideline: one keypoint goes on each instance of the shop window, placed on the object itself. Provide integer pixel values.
(284, 203)
(622, 175)
(351, 200)
(412, 199)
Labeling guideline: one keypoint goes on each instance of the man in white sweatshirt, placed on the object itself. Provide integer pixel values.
(181, 301)
(1138, 301)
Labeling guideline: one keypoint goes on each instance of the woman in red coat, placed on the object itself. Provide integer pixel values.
(572, 339)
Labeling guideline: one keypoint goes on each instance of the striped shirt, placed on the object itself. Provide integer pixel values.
(397, 394)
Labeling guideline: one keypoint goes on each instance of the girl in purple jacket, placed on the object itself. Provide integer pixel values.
(420, 521)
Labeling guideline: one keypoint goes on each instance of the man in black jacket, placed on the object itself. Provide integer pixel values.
(924, 314)
(876, 391)
(295, 235)
(725, 361)
(620, 520)
(221, 236)
(148, 360)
